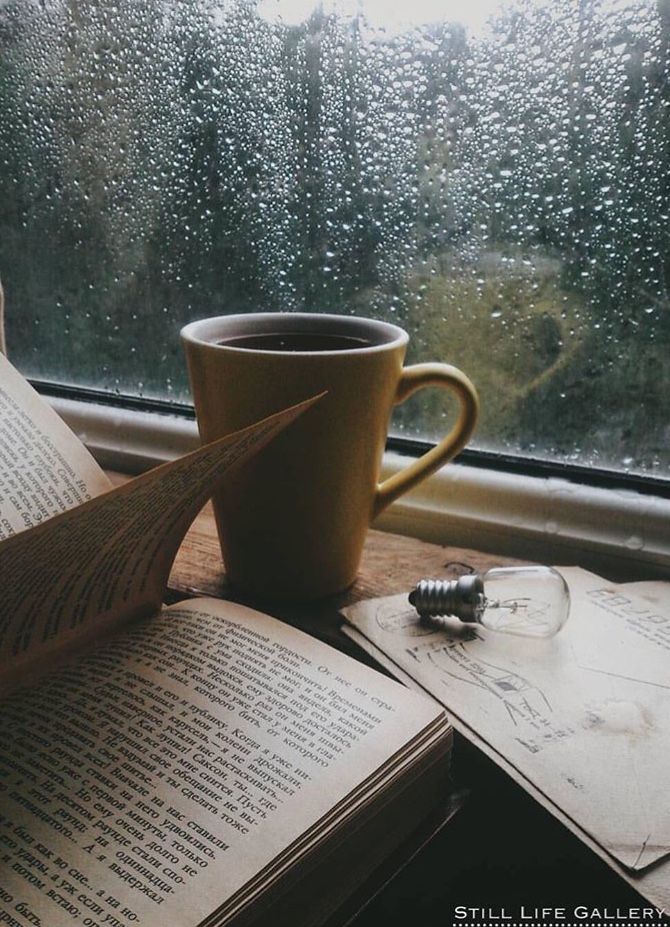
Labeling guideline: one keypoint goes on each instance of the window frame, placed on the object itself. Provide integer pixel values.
(407, 447)
(490, 460)
(614, 524)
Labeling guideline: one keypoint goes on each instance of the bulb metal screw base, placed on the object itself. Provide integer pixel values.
(462, 598)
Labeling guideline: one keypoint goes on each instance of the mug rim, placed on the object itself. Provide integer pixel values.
(201, 332)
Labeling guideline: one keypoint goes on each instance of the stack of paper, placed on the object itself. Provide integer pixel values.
(580, 720)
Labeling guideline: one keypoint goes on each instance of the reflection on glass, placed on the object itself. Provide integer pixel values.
(493, 176)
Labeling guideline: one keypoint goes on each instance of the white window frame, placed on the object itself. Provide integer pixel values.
(622, 534)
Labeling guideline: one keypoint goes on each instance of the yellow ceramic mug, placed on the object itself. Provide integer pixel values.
(293, 520)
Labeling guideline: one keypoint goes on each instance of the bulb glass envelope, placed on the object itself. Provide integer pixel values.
(528, 601)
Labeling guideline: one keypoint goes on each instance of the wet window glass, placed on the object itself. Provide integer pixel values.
(494, 177)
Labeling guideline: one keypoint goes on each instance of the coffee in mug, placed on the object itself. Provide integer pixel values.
(295, 341)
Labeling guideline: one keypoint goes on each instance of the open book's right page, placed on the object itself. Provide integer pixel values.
(582, 716)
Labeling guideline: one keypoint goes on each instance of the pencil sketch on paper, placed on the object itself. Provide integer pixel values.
(581, 716)
(522, 703)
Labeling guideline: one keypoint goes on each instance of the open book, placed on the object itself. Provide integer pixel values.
(200, 764)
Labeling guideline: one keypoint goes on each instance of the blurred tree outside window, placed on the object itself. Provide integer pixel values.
(494, 177)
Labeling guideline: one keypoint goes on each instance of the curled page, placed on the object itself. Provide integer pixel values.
(108, 560)
(44, 467)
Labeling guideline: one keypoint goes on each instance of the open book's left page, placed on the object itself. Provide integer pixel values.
(44, 467)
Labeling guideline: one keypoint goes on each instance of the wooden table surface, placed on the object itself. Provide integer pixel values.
(391, 564)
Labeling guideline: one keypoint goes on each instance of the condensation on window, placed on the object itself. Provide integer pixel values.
(494, 177)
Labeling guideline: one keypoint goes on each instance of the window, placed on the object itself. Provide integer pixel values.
(493, 177)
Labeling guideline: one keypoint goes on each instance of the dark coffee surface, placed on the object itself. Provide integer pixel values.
(295, 341)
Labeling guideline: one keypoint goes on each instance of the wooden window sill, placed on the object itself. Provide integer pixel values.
(391, 564)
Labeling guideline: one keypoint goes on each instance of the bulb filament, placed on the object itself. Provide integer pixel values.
(513, 606)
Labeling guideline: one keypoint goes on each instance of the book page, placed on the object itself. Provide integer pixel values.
(582, 716)
(109, 559)
(44, 467)
(204, 742)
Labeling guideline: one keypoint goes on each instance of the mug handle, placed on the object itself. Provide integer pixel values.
(415, 378)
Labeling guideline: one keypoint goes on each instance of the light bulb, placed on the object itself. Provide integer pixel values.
(531, 601)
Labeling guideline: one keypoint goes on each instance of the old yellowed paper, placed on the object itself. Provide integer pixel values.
(582, 717)
(205, 742)
(108, 560)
